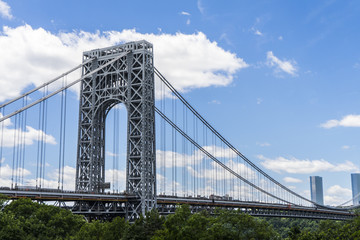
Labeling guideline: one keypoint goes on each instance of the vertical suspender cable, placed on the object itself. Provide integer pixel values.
(14, 150)
(163, 128)
(19, 145)
(43, 144)
(183, 153)
(61, 135)
(113, 151)
(2, 140)
(172, 150)
(175, 149)
(64, 140)
(38, 147)
(24, 144)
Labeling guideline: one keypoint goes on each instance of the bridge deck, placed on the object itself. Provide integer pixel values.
(115, 204)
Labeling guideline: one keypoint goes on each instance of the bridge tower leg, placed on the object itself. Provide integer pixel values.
(130, 80)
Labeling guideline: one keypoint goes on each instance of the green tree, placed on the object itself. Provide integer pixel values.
(237, 225)
(32, 220)
(224, 225)
(145, 227)
(116, 229)
(91, 231)
(173, 226)
(10, 227)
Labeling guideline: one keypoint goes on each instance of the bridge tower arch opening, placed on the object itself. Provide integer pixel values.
(127, 77)
(116, 148)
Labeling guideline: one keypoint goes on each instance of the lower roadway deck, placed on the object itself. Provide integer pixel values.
(167, 204)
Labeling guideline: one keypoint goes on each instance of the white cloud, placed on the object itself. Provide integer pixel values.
(347, 121)
(337, 195)
(28, 137)
(259, 100)
(281, 65)
(200, 7)
(117, 179)
(209, 173)
(257, 32)
(52, 180)
(306, 166)
(188, 22)
(165, 186)
(69, 179)
(306, 194)
(225, 37)
(215, 102)
(345, 147)
(43, 55)
(263, 144)
(280, 38)
(5, 10)
(165, 158)
(110, 154)
(6, 171)
(185, 13)
(292, 180)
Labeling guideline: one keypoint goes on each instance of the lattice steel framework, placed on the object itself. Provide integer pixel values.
(130, 80)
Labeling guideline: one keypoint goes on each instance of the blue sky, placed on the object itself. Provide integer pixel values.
(278, 79)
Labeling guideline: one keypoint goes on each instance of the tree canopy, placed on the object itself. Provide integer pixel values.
(25, 219)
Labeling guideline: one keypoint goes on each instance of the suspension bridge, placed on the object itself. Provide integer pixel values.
(172, 155)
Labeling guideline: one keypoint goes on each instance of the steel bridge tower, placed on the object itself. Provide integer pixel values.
(129, 80)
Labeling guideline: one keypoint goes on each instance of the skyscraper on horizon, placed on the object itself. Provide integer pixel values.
(355, 185)
(316, 189)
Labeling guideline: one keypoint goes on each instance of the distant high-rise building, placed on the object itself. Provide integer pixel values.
(316, 189)
(355, 185)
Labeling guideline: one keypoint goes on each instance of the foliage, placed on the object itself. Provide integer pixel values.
(24, 219)
(224, 225)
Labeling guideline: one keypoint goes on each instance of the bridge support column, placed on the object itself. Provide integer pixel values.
(130, 80)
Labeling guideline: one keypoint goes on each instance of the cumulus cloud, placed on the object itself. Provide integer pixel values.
(346, 121)
(165, 158)
(116, 178)
(6, 173)
(5, 10)
(28, 135)
(209, 173)
(188, 61)
(288, 67)
(337, 195)
(52, 179)
(294, 165)
(292, 180)
(50, 182)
